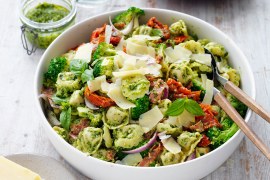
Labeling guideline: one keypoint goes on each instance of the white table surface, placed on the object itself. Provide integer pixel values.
(247, 22)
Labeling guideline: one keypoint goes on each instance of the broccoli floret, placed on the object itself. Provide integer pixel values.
(104, 50)
(94, 117)
(238, 105)
(197, 86)
(219, 137)
(103, 67)
(124, 18)
(66, 83)
(226, 123)
(56, 66)
(142, 105)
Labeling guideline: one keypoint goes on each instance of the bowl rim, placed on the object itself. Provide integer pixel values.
(152, 10)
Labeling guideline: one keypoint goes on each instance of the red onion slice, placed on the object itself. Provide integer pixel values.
(192, 156)
(144, 147)
(126, 30)
(165, 93)
(90, 105)
(48, 99)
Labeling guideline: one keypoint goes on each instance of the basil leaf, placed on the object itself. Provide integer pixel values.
(65, 118)
(193, 107)
(78, 66)
(58, 100)
(176, 108)
(87, 75)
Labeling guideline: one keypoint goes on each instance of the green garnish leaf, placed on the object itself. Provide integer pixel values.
(193, 107)
(58, 100)
(65, 118)
(176, 108)
(87, 75)
(78, 66)
(179, 105)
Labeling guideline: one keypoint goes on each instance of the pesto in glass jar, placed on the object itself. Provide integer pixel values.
(44, 21)
(46, 12)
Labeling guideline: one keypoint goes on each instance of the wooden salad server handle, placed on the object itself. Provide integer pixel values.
(235, 116)
(248, 101)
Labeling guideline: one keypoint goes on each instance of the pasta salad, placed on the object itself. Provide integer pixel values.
(140, 94)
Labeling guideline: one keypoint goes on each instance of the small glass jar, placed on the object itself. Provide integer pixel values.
(40, 35)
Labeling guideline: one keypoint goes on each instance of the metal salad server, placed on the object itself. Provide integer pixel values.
(232, 113)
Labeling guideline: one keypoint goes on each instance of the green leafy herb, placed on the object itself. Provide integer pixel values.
(65, 118)
(78, 66)
(179, 105)
(58, 100)
(193, 107)
(176, 108)
(87, 75)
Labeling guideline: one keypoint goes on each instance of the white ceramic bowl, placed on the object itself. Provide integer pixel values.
(98, 169)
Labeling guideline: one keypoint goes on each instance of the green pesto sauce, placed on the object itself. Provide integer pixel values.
(46, 12)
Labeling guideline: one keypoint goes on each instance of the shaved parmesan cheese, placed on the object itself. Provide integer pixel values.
(150, 119)
(202, 58)
(132, 159)
(121, 44)
(171, 145)
(209, 92)
(204, 78)
(128, 73)
(135, 47)
(185, 119)
(108, 33)
(95, 84)
(177, 54)
(84, 52)
(105, 86)
(116, 95)
(154, 69)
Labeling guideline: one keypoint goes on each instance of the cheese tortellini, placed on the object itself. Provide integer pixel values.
(128, 136)
(181, 72)
(116, 117)
(193, 46)
(216, 49)
(134, 87)
(168, 158)
(188, 141)
(89, 140)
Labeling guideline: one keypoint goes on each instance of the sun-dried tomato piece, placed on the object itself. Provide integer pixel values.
(205, 141)
(98, 100)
